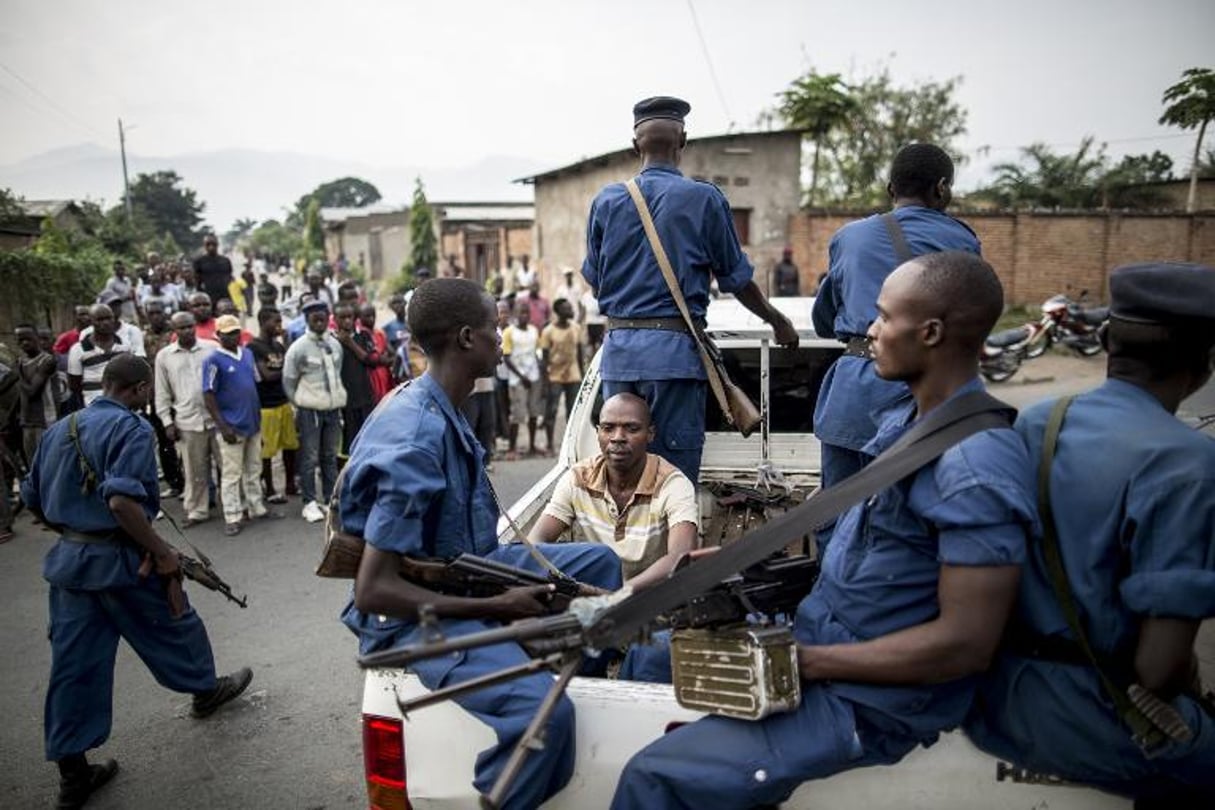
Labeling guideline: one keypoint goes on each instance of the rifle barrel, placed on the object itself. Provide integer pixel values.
(525, 630)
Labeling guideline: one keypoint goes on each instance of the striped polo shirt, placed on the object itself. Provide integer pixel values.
(638, 532)
(87, 360)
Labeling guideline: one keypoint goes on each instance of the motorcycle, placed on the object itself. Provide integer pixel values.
(1003, 352)
(1075, 325)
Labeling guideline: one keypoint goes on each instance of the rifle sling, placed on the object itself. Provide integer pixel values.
(923, 442)
(1146, 733)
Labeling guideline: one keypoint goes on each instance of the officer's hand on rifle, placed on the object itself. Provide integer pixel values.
(168, 567)
(522, 603)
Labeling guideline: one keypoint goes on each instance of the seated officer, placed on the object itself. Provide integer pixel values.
(915, 586)
(415, 485)
(99, 591)
(636, 503)
(1133, 496)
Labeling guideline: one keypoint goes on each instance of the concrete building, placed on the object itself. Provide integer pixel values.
(480, 237)
(375, 237)
(23, 231)
(759, 172)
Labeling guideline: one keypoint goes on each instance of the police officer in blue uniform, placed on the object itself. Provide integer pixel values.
(1132, 490)
(647, 350)
(111, 576)
(915, 586)
(416, 485)
(853, 399)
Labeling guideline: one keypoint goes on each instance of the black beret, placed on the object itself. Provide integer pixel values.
(1162, 292)
(660, 107)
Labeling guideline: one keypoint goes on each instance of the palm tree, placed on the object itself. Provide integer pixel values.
(816, 104)
(1191, 103)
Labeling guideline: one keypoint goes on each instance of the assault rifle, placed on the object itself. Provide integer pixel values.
(202, 572)
(469, 575)
(614, 622)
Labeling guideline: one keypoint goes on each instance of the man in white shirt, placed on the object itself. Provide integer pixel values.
(98, 344)
(519, 341)
(179, 404)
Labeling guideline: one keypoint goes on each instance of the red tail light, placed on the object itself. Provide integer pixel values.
(384, 763)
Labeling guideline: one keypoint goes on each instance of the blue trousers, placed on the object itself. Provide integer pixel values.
(649, 663)
(837, 463)
(85, 629)
(723, 763)
(677, 408)
(320, 433)
(508, 708)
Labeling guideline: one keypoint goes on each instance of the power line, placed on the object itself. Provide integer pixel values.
(1095, 140)
(721, 97)
(51, 102)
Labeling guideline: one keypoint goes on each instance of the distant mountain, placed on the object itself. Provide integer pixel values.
(237, 183)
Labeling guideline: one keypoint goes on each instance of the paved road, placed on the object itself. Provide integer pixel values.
(293, 741)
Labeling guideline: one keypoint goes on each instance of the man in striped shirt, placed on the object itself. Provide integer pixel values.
(87, 359)
(637, 503)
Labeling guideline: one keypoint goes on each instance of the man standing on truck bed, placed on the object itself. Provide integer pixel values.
(1134, 521)
(647, 350)
(416, 486)
(915, 587)
(853, 399)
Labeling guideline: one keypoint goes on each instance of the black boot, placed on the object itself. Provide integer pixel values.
(78, 780)
(226, 688)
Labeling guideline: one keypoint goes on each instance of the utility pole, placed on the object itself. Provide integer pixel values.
(126, 184)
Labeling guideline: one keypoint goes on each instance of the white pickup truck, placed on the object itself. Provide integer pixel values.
(426, 761)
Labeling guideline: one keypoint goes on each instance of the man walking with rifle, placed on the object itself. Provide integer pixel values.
(111, 577)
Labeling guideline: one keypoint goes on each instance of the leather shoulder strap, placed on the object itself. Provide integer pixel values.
(668, 273)
(902, 251)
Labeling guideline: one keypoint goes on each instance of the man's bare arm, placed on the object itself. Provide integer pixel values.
(547, 530)
(974, 605)
(680, 541)
(1164, 655)
(782, 328)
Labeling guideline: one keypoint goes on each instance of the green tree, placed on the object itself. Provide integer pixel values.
(1126, 185)
(163, 205)
(424, 248)
(885, 117)
(10, 207)
(239, 230)
(817, 104)
(1191, 103)
(275, 238)
(314, 232)
(345, 192)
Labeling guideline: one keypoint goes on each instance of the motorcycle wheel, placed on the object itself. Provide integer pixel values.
(1038, 346)
(999, 372)
(1090, 347)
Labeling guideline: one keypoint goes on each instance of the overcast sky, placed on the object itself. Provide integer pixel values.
(444, 83)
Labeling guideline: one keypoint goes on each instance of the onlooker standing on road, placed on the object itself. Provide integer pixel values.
(230, 392)
(313, 382)
(180, 406)
(119, 287)
(786, 277)
(35, 372)
(356, 377)
(204, 322)
(278, 418)
(561, 345)
(88, 358)
(519, 343)
(502, 377)
(71, 337)
(374, 340)
(648, 350)
(156, 338)
(568, 289)
(212, 272)
(538, 309)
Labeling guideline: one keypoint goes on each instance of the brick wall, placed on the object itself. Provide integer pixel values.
(1038, 255)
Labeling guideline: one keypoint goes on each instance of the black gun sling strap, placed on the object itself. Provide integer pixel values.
(924, 442)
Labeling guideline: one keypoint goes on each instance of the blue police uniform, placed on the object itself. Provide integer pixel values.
(1135, 518)
(853, 400)
(96, 594)
(416, 485)
(696, 227)
(972, 507)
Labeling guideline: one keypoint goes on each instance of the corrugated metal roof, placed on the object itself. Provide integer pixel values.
(520, 212)
(45, 208)
(343, 214)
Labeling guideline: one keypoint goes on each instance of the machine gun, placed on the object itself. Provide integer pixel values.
(469, 575)
(202, 572)
(617, 620)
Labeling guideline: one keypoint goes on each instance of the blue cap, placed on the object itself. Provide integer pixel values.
(1162, 292)
(667, 107)
(314, 305)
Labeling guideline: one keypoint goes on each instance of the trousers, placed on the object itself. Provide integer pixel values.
(241, 477)
(85, 629)
(199, 454)
(319, 433)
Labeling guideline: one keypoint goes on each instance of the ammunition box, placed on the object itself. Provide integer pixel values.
(744, 671)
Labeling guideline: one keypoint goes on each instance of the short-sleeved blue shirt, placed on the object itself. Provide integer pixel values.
(233, 380)
(694, 222)
(416, 485)
(1133, 491)
(971, 507)
(121, 450)
(853, 401)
